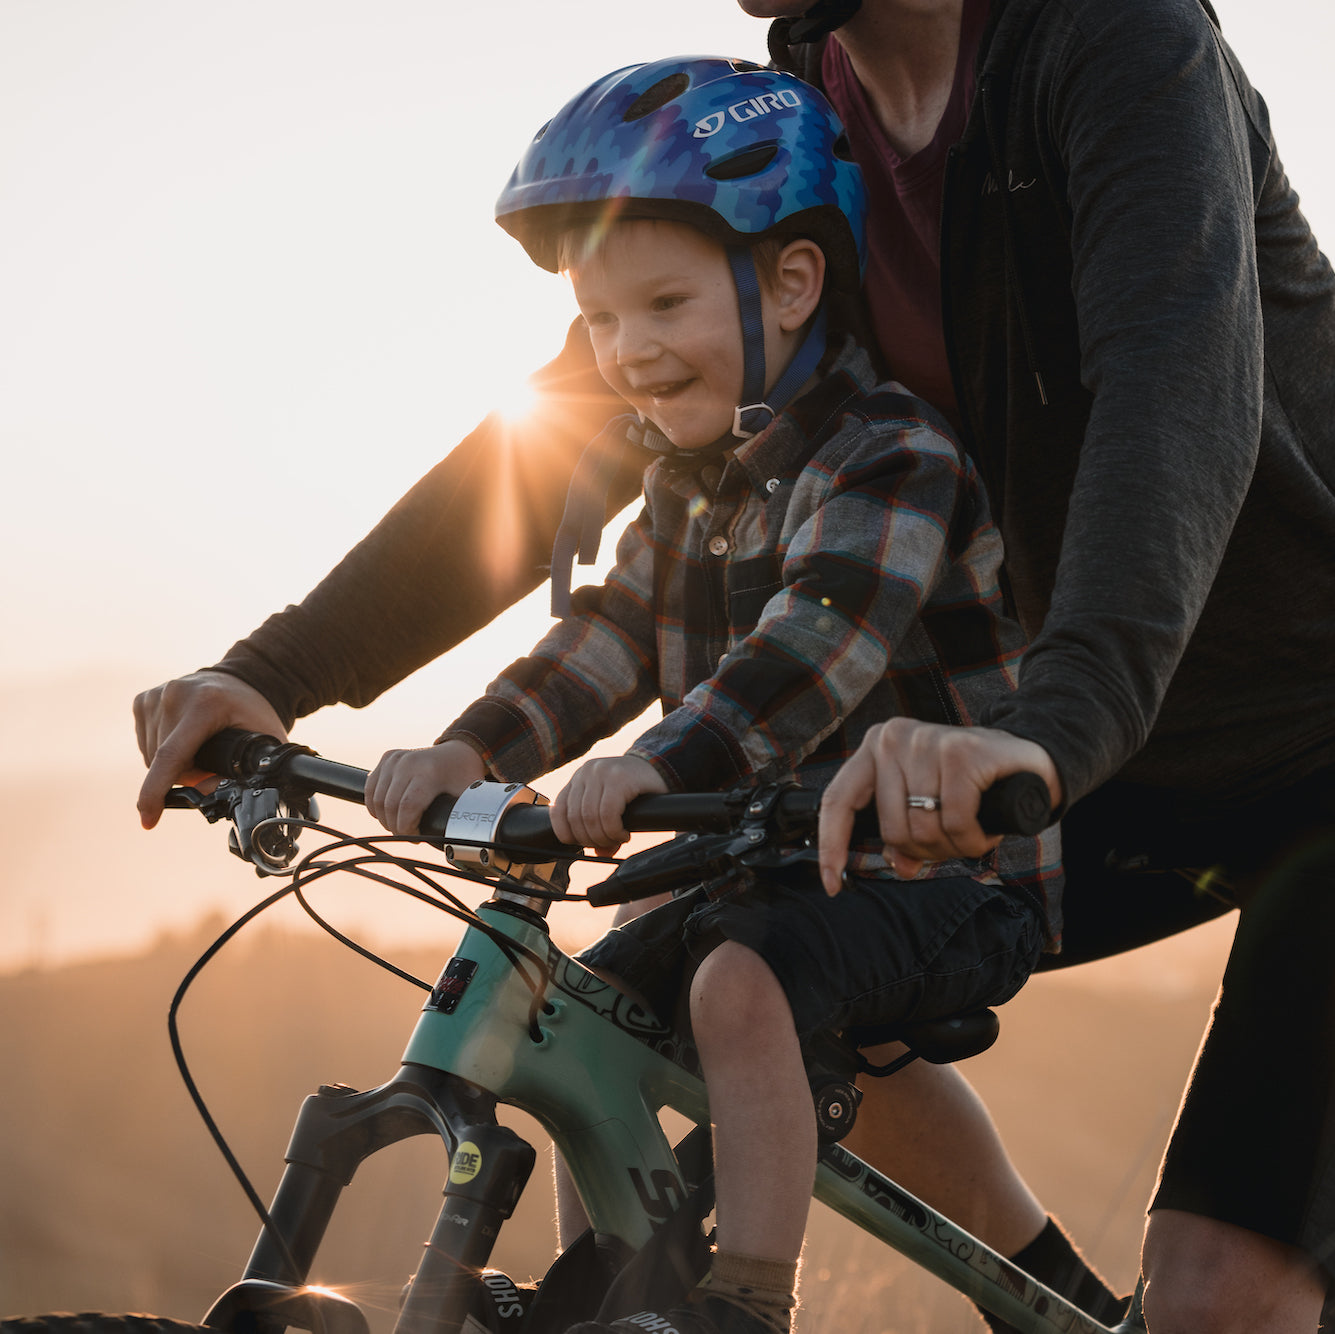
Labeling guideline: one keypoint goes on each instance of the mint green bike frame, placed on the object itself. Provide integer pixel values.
(597, 1077)
(513, 1020)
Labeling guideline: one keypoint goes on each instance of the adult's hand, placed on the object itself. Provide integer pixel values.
(905, 757)
(174, 719)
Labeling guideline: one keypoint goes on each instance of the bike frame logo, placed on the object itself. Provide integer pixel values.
(656, 1197)
(748, 109)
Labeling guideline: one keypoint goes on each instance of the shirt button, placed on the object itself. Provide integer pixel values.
(772, 485)
(718, 546)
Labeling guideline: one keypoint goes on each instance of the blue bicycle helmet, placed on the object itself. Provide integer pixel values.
(739, 151)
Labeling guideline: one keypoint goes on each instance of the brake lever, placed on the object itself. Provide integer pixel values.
(213, 806)
(260, 833)
(269, 849)
(663, 867)
(695, 858)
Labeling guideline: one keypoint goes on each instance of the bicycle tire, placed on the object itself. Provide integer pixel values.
(98, 1322)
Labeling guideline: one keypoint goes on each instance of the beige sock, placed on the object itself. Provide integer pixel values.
(764, 1288)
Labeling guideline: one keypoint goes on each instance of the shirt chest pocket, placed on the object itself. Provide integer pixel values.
(750, 583)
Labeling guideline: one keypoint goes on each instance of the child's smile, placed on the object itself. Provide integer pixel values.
(661, 307)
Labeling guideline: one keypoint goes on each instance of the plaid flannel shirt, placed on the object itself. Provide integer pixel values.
(834, 570)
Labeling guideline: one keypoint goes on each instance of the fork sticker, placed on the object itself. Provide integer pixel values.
(466, 1163)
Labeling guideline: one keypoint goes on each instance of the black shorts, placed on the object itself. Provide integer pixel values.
(880, 952)
(1254, 1143)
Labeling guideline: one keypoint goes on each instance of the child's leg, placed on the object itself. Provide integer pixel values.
(764, 1127)
(764, 1131)
(759, 1102)
(965, 943)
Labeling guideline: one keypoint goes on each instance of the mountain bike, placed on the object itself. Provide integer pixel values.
(514, 1020)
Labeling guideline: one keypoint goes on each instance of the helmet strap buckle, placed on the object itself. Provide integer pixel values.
(744, 419)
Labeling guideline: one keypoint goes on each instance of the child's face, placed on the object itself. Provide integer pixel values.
(661, 307)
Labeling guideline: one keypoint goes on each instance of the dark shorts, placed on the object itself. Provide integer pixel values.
(1254, 1143)
(878, 953)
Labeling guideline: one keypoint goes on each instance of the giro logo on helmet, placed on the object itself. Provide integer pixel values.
(746, 110)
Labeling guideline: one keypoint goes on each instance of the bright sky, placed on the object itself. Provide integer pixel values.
(250, 286)
(250, 289)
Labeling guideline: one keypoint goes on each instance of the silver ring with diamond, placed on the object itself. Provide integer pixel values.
(924, 803)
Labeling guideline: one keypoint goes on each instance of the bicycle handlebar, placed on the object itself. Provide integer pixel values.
(1017, 804)
(250, 756)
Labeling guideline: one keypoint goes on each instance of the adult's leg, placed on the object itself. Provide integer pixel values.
(1242, 1229)
(927, 1128)
(1121, 849)
(1207, 1277)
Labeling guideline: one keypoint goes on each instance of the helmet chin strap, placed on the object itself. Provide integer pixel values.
(757, 408)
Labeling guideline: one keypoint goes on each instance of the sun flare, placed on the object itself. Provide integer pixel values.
(516, 401)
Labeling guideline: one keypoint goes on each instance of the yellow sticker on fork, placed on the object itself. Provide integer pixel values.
(466, 1163)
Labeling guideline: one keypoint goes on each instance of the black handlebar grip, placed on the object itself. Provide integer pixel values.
(436, 817)
(225, 753)
(1016, 804)
(530, 828)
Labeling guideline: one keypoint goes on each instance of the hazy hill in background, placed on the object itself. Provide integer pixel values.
(114, 1197)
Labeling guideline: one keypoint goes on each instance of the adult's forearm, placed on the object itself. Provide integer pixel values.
(592, 672)
(1165, 284)
(469, 540)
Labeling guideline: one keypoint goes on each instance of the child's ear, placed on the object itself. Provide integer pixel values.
(800, 279)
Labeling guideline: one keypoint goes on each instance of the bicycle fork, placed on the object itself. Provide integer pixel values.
(337, 1129)
(485, 1034)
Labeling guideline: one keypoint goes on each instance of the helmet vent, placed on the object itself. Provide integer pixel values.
(659, 94)
(745, 162)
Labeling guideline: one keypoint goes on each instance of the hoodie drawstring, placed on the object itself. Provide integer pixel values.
(1002, 180)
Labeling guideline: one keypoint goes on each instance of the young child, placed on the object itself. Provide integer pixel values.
(814, 555)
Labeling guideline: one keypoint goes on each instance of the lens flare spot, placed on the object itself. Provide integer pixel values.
(517, 403)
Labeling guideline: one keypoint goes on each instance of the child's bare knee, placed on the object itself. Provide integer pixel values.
(735, 992)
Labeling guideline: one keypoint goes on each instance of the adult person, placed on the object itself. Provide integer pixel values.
(1138, 334)
(1141, 335)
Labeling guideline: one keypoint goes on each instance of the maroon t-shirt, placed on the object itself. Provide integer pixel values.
(903, 282)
